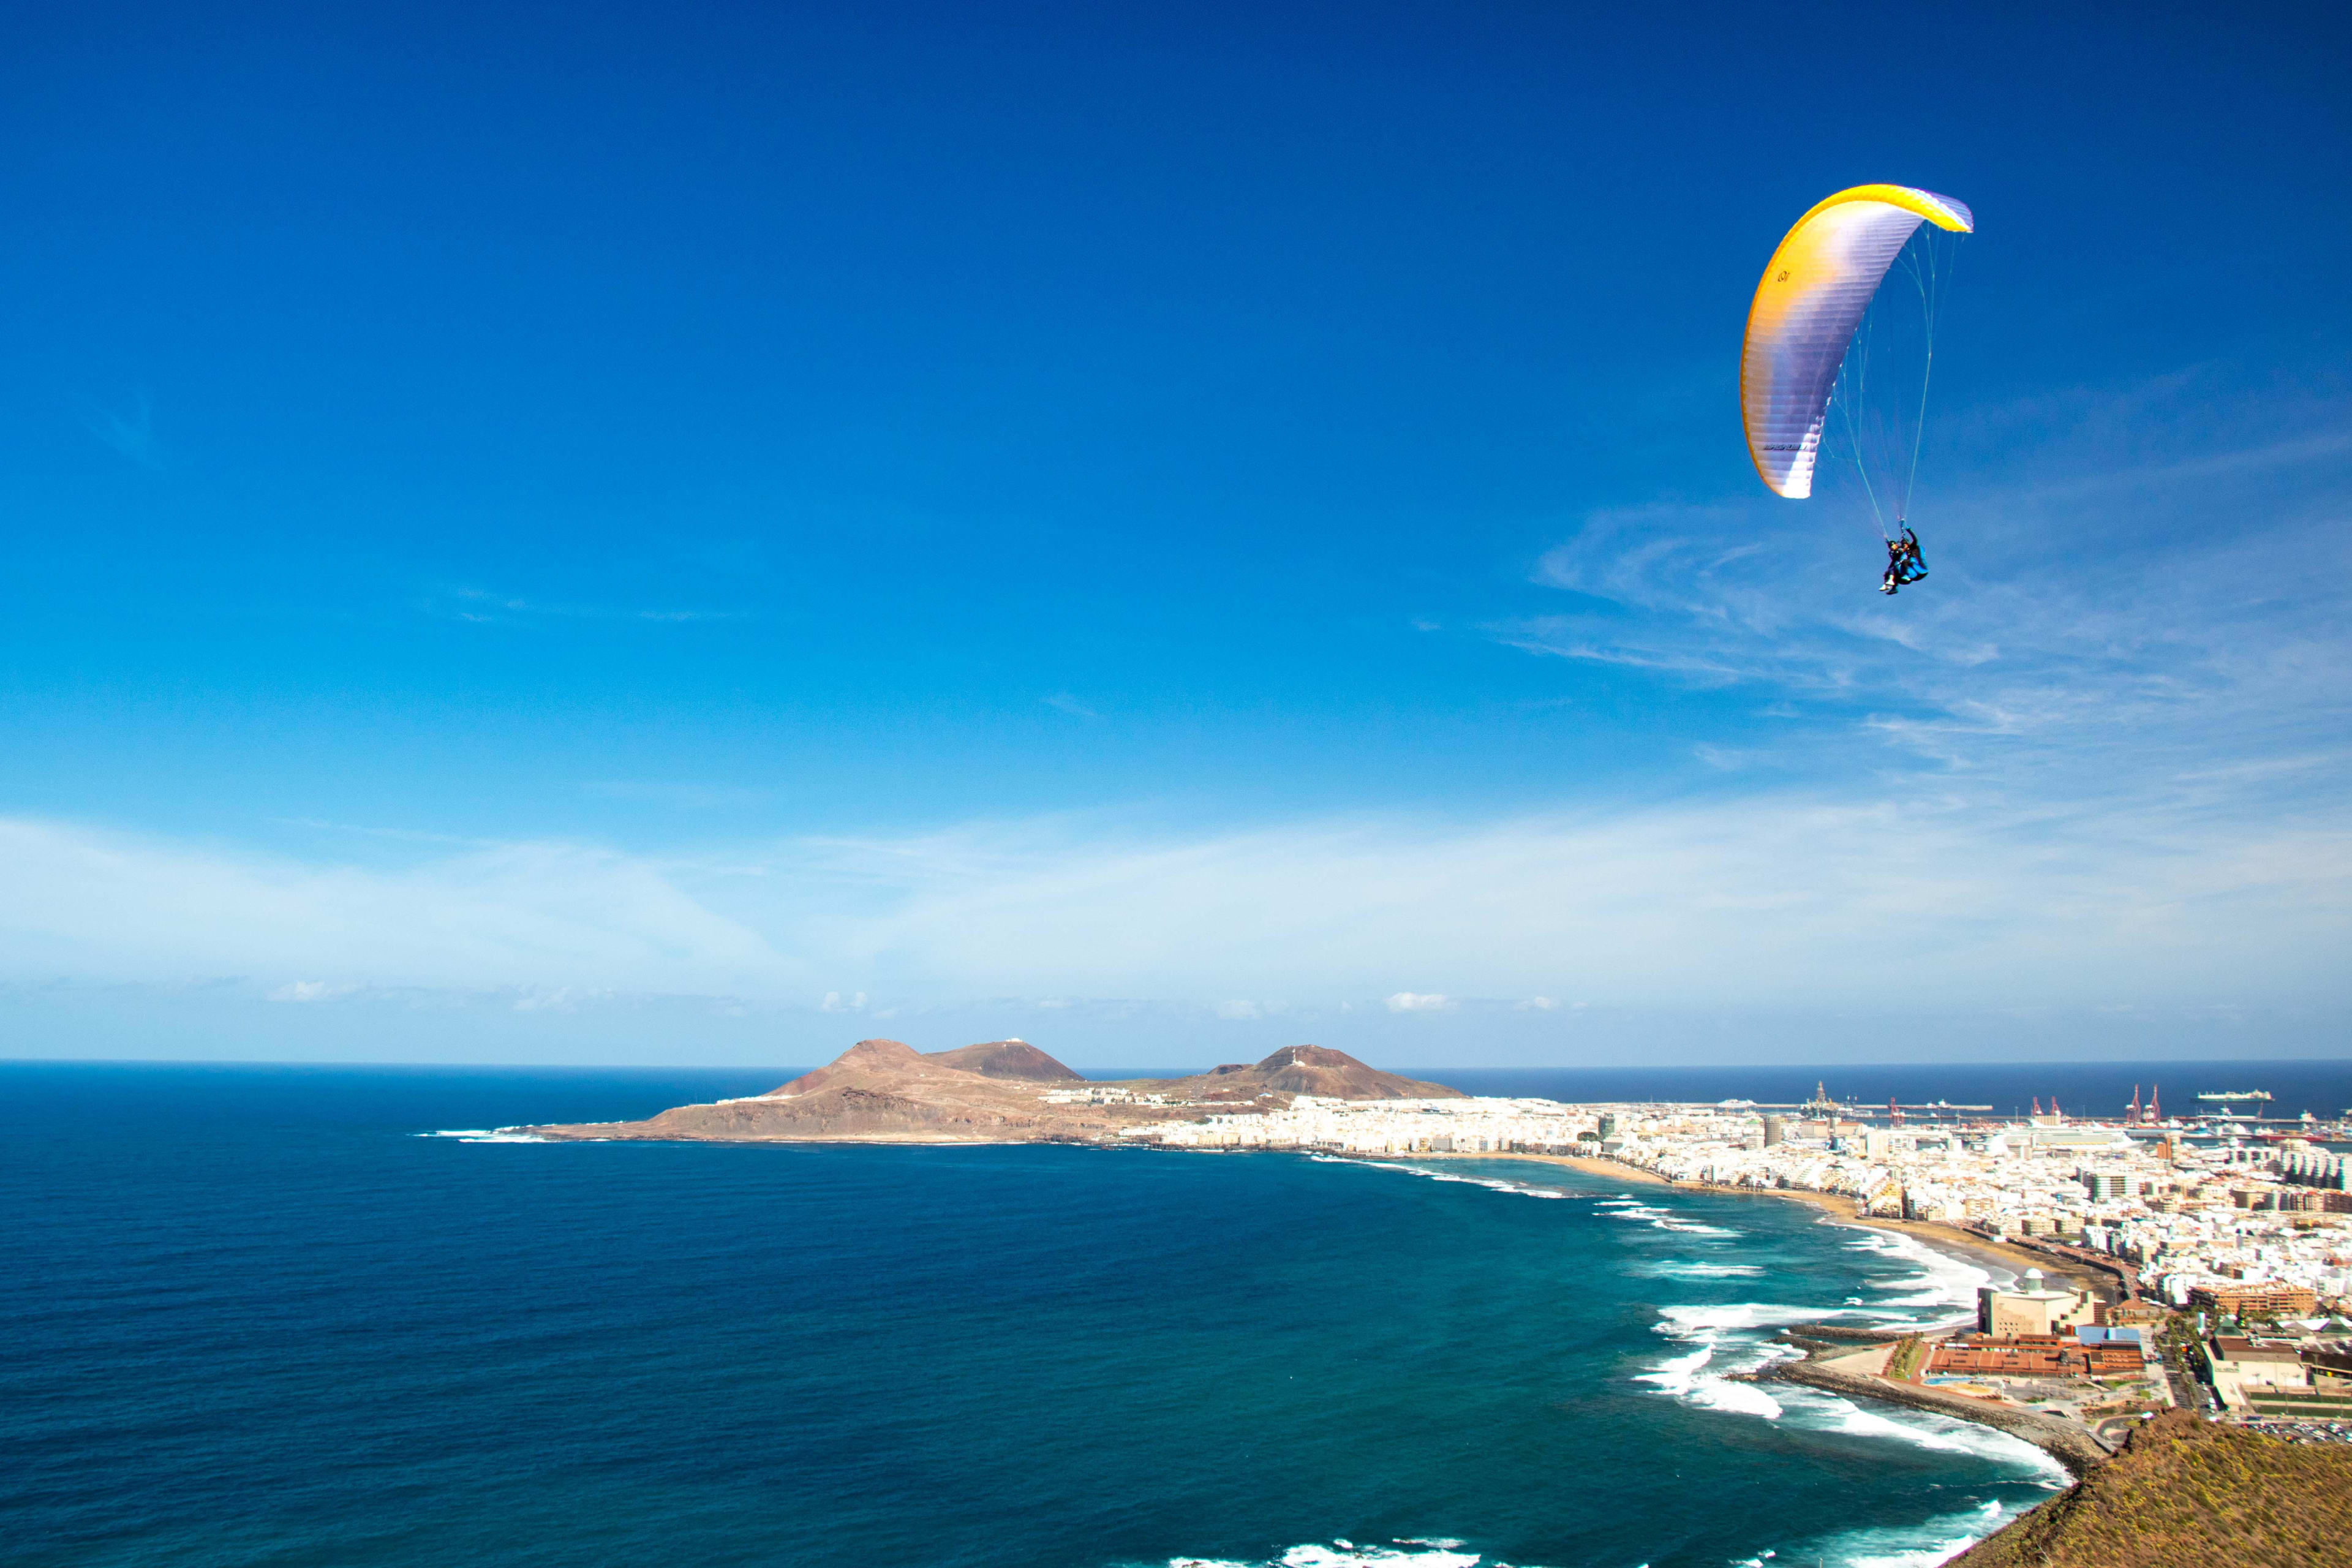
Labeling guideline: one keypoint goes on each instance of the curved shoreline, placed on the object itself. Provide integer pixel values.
(2072, 1446)
(1968, 1246)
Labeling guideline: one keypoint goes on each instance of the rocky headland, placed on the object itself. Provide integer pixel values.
(2185, 1493)
(1003, 1091)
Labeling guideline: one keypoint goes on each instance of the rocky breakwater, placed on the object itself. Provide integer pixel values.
(1004, 1092)
(1863, 1375)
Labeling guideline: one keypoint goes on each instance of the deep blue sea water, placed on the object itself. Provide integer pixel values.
(252, 1317)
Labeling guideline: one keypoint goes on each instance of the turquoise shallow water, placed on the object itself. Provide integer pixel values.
(255, 1318)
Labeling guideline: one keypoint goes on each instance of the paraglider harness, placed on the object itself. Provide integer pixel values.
(1902, 561)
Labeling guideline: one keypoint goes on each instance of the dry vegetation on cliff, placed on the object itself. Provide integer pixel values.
(2189, 1493)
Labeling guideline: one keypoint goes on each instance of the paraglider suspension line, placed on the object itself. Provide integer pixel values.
(1865, 439)
(1859, 357)
(1925, 278)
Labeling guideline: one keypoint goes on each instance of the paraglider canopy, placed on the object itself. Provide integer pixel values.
(1815, 289)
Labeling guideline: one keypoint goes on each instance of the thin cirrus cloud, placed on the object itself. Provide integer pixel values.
(86, 904)
(129, 432)
(2114, 612)
(480, 606)
(1794, 899)
(2033, 783)
(682, 795)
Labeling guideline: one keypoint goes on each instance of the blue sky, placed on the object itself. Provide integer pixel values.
(697, 533)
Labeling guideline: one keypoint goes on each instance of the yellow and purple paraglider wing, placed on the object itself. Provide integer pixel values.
(1812, 297)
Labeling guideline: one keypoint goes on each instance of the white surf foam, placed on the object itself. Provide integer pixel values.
(1437, 1554)
(1922, 1545)
(1493, 1183)
(1345, 1554)
(1701, 1270)
(1938, 1285)
(485, 1135)
(1823, 1410)
(1683, 1322)
(1660, 1219)
(1726, 1341)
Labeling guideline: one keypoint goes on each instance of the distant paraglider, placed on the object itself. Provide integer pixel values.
(1816, 363)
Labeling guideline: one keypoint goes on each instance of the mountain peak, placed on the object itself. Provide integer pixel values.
(877, 1053)
(1006, 1058)
(1309, 1056)
(1303, 1069)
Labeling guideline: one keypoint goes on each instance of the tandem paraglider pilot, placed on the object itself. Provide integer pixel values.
(1904, 564)
(1807, 351)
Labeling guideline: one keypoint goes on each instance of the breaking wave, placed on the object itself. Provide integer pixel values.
(1934, 1280)
(1727, 1348)
(485, 1135)
(1701, 1270)
(1437, 1554)
(1493, 1183)
(1660, 1219)
(1922, 1545)
(1719, 1350)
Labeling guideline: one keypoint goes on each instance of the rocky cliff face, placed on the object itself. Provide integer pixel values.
(886, 1092)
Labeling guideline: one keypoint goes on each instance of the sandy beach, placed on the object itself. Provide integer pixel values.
(1966, 1246)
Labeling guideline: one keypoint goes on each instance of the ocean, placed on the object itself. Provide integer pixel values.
(281, 1316)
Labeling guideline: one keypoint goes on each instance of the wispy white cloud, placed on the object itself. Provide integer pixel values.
(682, 795)
(2133, 599)
(395, 835)
(2061, 775)
(1063, 701)
(1949, 894)
(85, 903)
(1418, 1002)
(129, 432)
(1736, 903)
(307, 990)
(481, 606)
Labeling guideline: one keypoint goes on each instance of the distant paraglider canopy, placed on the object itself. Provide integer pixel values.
(1818, 359)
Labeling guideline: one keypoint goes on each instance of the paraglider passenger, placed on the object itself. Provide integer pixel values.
(1904, 564)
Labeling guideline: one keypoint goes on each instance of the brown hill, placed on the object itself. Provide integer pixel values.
(1298, 1069)
(2186, 1491)
(866, 1058)
(1007, 1059)
(886, 1092)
